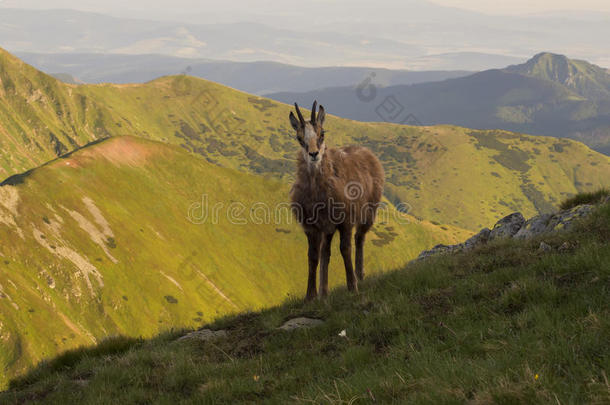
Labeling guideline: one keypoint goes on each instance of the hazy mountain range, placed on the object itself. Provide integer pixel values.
(413, 35)
(548, 95)
(251, 77)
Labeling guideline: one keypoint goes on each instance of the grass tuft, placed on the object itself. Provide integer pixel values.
(593, 197)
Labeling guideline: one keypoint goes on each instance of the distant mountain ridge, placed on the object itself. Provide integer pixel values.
(409, 34)
(252, 77)
(548, 95)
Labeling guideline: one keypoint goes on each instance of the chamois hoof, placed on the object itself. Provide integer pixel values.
(310, 297)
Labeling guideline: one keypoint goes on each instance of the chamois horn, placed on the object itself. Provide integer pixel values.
(313, 112)
(300, 115)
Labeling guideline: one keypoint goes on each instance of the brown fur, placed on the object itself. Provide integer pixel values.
(341, 191)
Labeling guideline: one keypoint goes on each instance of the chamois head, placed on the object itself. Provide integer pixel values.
(310, 134)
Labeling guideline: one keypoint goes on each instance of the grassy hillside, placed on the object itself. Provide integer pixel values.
(110, 240)
(485, 174)
(504, 324)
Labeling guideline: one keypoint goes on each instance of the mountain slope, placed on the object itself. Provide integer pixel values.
(586, 79)
(544, 96)
(485, 175)
(129, 236)
(506, 323)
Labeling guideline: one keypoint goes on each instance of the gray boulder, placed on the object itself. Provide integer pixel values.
(204, 335)
(507, 227)
(299, 323)
(564, 220)
(534, 226)
(545, 247)
(439, 249)
(480, 238)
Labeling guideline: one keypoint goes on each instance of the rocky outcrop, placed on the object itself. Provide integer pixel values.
(507, 227)
(515, 226)
(534, 226)
(478, 239)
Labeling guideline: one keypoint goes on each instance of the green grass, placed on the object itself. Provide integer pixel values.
(504, 324)
(585, 198)
(159, 270)
(446, 174)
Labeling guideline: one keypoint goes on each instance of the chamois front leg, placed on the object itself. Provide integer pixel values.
(346, 252)
(359, 239)
(313, 254)
(325, 259)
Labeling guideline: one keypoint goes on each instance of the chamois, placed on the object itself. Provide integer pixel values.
(335, 189)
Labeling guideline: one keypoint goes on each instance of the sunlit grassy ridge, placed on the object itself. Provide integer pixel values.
(506, 323)
(482, 175)
(108, 240)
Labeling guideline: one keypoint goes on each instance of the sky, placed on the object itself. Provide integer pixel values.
(513, 7)
(502, 7)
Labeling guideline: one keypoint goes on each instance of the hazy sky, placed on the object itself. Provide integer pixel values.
(526, 6)
(486, 6)
(400, 31)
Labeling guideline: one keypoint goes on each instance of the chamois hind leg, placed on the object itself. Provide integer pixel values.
(324, 260)
(346, 251)
(313, 255)
(361, 231)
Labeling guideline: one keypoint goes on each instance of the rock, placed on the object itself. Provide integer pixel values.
(545, 247)
(565, 246)
(507, 226)
(439, 249)
(81, 382)
(298, 323)
(480, 238)
(564, 220)
(204, 335)
(534, 226)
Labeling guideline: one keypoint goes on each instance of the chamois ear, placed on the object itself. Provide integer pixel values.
(294, 122)
(321, 116)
